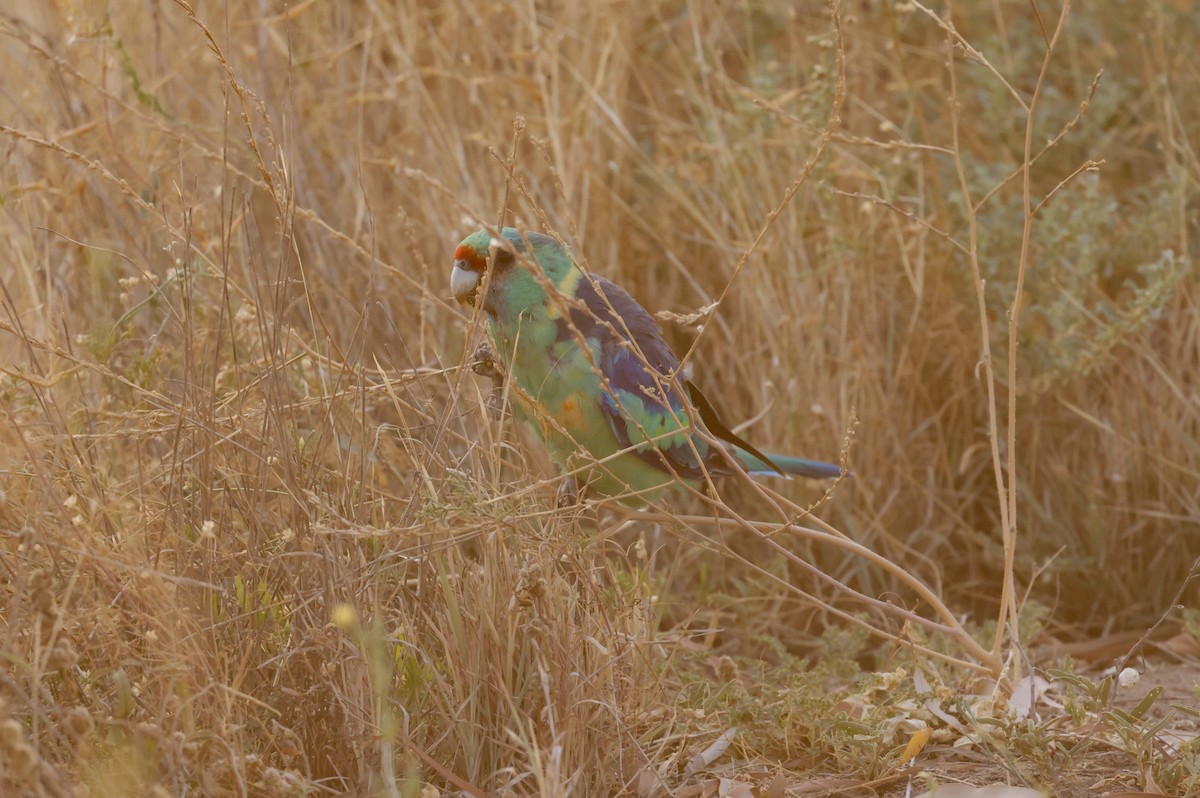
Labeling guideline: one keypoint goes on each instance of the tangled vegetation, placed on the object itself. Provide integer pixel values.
(262, 534)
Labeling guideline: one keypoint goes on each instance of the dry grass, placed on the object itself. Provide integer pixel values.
(260, 535)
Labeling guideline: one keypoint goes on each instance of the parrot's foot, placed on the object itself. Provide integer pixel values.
(568, 494)
(483, 363)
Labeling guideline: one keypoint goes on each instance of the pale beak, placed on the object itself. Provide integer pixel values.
(464, 282)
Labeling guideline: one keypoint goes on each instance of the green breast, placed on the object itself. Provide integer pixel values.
(559, 396)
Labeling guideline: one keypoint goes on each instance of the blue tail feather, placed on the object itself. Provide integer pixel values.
(794, 466)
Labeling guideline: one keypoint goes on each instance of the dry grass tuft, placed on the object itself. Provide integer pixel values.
(262, 537)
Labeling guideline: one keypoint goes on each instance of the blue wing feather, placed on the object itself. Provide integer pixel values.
(640, 400)
(636, 389)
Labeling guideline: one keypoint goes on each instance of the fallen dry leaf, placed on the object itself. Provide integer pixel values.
(916, 744)
(729, 788)
(990, 791)
(647, 784)
(1183, 645)
(710, 754)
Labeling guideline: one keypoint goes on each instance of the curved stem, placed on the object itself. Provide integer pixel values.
(950, 626)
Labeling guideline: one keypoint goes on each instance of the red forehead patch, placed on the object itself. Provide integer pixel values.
(475, 260)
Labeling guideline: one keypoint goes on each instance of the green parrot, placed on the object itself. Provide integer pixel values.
(590, 371)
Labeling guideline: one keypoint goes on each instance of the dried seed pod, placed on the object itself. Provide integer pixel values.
(78, 722)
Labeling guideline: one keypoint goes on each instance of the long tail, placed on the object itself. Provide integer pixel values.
(754, 461)
(813, 469)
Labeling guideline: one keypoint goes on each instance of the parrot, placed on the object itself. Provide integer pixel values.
(589, 369)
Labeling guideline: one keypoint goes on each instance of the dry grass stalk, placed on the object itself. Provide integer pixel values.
(260, 534)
